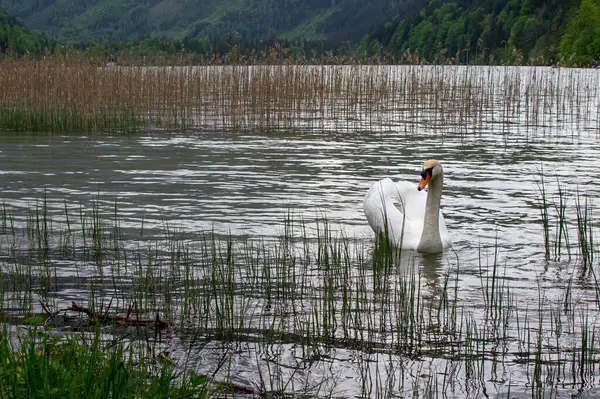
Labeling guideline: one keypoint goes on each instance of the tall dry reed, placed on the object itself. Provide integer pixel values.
(72, 95)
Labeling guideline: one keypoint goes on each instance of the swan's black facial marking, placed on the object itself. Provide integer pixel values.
(426, 175)
(427, 172)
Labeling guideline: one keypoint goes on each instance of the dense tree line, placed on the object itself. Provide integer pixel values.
(230, 49)
(18, 40)
(581, 40)
(437, 31)
(517, 31)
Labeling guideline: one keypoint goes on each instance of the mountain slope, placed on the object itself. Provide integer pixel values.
(468, 31)
(80, 20)
(16, 39)
(459, 31)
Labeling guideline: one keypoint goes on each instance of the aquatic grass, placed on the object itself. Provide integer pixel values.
(543, 206)
(58, 120)
(312, 289)
(584, 229)
(561, 233)
(570, 209)
(497, 298)
(8, 222)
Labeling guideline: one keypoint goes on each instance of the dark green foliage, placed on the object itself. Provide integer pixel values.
(581, 41)
(434, 31)
(45, 365)
(73, 20)
(16, 39)
(516, 32)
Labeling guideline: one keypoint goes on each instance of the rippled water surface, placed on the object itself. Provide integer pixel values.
(245, 183)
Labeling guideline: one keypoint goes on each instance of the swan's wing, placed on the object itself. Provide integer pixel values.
(386, 204)
(379, 206)
(412, 200)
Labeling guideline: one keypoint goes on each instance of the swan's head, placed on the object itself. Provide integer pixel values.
(431, 170)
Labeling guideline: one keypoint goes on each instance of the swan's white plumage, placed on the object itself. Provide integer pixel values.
(400, 207)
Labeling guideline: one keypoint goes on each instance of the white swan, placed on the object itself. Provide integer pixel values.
(411, 217)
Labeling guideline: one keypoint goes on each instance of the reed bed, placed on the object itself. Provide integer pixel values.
(290, 304)
(71, 95)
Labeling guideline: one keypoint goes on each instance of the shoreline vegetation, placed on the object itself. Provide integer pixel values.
(167, 52)
(308, 295)
(294, 301)
(520, 32)
(42, 364)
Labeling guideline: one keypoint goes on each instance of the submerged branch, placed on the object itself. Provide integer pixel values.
(121, 320)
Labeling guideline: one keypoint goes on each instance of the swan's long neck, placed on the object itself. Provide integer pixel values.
(430, 237)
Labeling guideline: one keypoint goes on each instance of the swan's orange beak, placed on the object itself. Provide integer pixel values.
(424, 181)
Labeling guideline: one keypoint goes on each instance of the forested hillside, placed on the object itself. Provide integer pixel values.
(18, 40)
(80, 20)
(460, 31)
(466, 31)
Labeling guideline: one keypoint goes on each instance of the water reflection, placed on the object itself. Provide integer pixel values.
(247, 183)
(432, 266)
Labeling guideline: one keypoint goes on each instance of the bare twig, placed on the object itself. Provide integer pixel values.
(122, 320)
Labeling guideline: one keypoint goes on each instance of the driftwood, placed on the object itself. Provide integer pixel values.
(121, 320)
(108, 318)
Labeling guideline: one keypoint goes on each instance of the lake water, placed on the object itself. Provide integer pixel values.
(244, 183)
